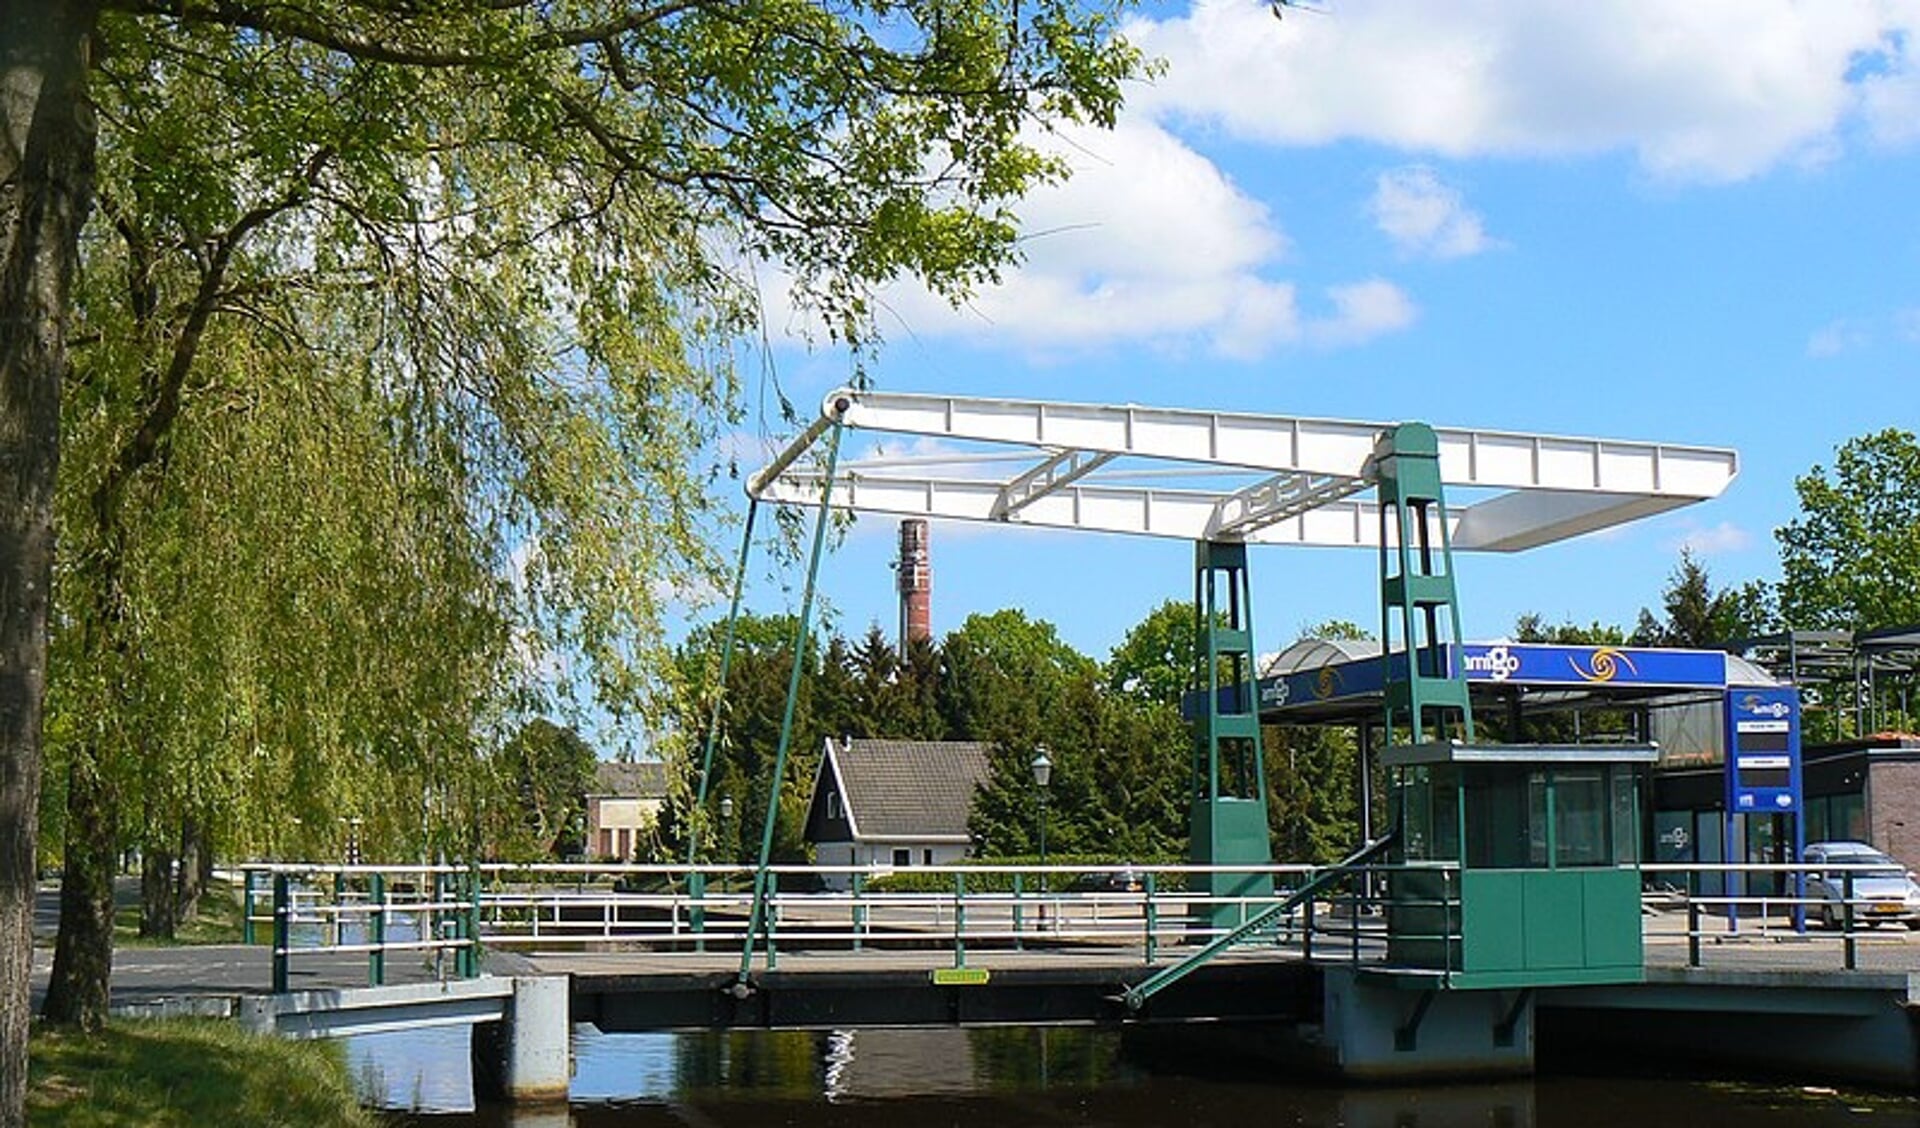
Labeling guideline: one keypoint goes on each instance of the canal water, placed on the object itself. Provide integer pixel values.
(1012, 1078)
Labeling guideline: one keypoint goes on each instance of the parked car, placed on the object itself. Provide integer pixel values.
(1123, 881)
(1883, 889)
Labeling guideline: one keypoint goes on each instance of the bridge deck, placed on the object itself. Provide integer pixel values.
(219, 974)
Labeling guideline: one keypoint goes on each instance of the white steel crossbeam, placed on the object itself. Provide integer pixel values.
(1276, 499)
(1269, 479)
(1055, 473)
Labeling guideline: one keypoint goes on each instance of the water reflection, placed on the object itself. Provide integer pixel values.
(1019, 1077)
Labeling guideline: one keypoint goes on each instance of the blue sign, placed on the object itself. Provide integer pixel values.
(1509, 662)
(1530, 664)
(1763, 751)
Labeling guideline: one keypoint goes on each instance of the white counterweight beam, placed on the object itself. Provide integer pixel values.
(1269, 479)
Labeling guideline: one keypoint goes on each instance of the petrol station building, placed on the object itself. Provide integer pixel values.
(1769, 799)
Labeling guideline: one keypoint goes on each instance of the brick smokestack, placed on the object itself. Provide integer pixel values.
(915, 580)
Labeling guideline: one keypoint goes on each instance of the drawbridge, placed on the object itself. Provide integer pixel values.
(1413, 494)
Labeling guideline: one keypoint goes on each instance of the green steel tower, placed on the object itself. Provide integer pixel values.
(1229, 814)
(1419, 611)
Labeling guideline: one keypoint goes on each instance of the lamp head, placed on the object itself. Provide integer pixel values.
(1042, 767)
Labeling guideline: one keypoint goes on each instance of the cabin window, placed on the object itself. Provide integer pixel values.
(833, 804)
(903, 857)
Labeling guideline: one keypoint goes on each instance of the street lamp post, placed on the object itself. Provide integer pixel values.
(726, 822)
(1042, 773)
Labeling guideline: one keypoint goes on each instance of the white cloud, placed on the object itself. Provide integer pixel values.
(1705, 90)
(1147, 241)
(1425, 216)
(1362, 312)
(1848, 334)
(1834, 338)
(1722, 538)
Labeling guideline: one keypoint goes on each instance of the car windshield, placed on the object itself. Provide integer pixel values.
(1883, 865)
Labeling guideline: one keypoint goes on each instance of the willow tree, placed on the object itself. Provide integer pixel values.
(537, 216)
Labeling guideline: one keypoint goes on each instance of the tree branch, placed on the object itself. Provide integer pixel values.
(141, 448)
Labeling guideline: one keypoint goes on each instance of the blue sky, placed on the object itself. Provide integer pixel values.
(1695, 223)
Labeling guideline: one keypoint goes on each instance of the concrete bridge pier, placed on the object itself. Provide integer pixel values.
(1366, 1028)
(1374, 1028)
(524, 1058)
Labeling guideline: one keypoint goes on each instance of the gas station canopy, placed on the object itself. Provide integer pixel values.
(1224, 476)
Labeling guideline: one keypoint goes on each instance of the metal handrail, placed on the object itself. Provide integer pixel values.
(460, 909)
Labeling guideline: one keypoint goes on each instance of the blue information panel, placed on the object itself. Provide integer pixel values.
(1532, 664)
(1763, 751)
(1510, 663)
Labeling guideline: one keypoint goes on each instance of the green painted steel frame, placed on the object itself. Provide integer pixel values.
(761, 877)
(1228, 817)
(1416, 585)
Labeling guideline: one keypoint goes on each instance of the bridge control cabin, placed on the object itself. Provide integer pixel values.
(1521, 862)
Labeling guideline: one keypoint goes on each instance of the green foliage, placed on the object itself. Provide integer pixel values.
(911, 881)
(187, 1073)
(541, 779)
(1698, 617)
(1851, 561)
(1154, 662)
(1313, 795)
(219, 921)
(402, 337)
(752, 710)
(1011, 682)
(1534, 629)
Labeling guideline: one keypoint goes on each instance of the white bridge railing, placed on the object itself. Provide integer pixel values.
(1133, 912)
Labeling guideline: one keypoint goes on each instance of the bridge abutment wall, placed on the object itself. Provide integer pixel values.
(1861, 1029)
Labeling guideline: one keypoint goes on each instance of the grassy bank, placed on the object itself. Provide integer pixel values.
(187, 1072)
(218, 922)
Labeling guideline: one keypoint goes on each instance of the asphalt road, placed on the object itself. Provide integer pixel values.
(147, 976)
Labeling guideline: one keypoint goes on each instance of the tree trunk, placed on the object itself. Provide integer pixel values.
(46, 187)
(196, 869)
(157, 893)
(77, 991)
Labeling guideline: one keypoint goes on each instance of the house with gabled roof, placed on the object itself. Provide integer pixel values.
(893, 803)
(623, 807)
